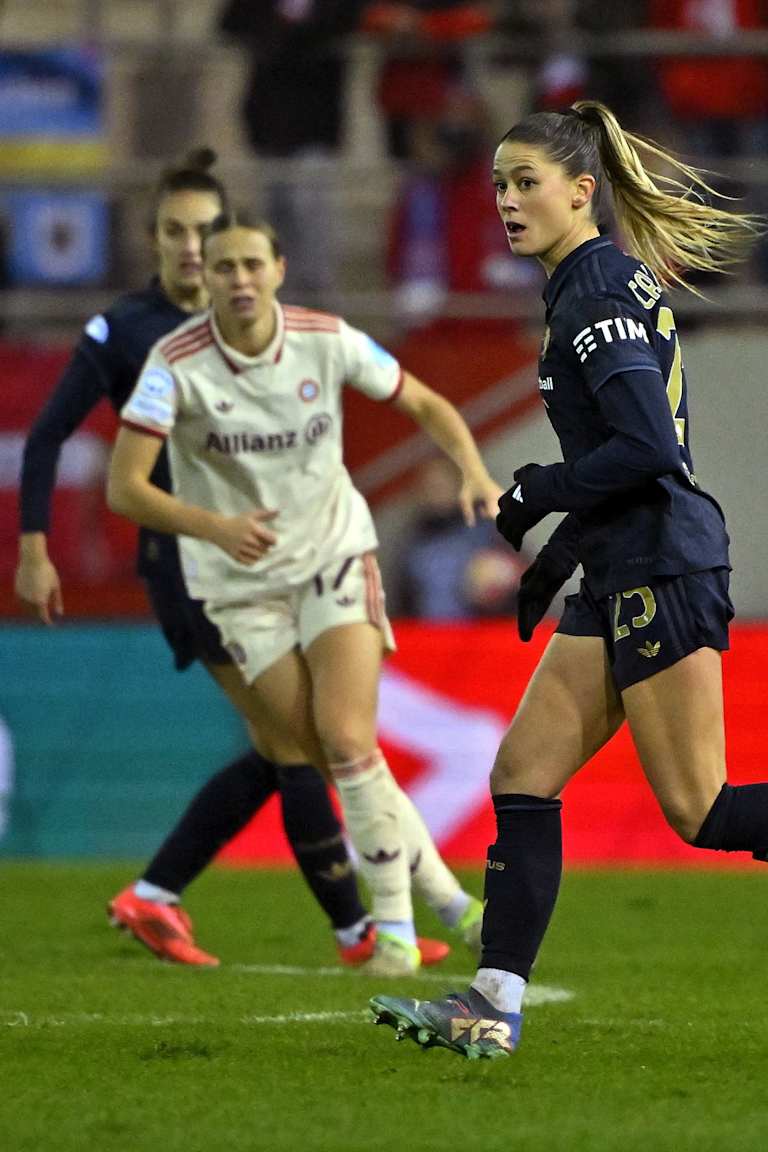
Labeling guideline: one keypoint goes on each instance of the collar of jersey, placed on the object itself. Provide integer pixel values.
(240, 363)
(160, 297)
(561, 273)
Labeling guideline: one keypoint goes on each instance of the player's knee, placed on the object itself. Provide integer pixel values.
(343, 744)
(685, 817)
(511, 770)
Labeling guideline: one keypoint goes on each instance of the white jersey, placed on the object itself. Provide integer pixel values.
(263, 431)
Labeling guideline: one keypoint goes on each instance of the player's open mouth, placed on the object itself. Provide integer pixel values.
(514, 229)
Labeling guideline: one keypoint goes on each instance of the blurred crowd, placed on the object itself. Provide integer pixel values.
(449, 77)
(440, 124)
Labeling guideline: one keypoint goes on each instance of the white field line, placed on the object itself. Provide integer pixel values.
(535, 995)
(16, 1018)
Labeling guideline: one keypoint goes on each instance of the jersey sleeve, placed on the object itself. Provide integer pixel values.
(605, 337)
(153, 404)
(89, 377)
(78, 391)
(369, 367)
(642, 446)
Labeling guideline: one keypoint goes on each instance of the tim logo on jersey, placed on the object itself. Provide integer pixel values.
(608, 331)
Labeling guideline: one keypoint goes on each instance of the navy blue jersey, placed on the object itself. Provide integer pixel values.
(612, 379)
(104, 366)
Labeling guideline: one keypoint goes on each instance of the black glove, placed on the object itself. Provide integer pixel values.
(516, 515)
(539, 585)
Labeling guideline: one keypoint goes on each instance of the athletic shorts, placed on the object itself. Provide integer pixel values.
(188, 631)
(650, 628)
(259, 633)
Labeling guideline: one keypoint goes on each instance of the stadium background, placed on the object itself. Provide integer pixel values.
(102, 744)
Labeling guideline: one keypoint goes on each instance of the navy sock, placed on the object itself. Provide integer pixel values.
(522, 880)
(219, 810)
(315, 836)
(737, 821)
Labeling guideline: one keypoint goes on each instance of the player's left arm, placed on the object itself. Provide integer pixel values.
(445, 425)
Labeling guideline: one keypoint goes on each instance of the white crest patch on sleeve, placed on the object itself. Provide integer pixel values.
(147, 408)
(98, 329)
(155, 383)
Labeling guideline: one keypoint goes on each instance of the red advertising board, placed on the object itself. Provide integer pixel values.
(447, 695)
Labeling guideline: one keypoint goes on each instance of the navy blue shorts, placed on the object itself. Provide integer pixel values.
(188, 631)
(650, 628)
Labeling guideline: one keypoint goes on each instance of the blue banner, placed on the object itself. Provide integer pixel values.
(57, 92)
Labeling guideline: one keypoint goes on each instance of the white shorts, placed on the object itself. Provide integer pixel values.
(259, 633)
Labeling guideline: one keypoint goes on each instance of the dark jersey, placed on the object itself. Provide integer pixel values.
(612, 379)
(105, 366)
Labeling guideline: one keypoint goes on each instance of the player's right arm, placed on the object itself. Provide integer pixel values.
(78, 391)
(148, 417)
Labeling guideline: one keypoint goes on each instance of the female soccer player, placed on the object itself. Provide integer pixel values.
(641, 641)
(105, 365)
(279, 545)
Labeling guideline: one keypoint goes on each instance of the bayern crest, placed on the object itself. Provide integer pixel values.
(309, 390)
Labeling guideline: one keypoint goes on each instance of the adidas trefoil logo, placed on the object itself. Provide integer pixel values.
(650, 650)
(224, 405)
(382, 857)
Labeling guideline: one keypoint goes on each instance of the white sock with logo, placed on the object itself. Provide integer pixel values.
(504, 990)
(430, 875)
(373, 823)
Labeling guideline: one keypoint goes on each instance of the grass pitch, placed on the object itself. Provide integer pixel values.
(663, 1045)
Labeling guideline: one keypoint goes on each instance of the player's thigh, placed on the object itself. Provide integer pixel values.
(345, 664)
(343, 631)
(569, 710)
(677, 724)
(277, 707)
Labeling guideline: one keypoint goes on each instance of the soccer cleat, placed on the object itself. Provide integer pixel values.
(470, 926)
(464, 1022)
(432, 951)
(165, 929)
(392, 957)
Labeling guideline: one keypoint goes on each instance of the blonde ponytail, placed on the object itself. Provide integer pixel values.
(667, 220)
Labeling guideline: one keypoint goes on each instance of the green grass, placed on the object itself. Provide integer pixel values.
(663, 1046)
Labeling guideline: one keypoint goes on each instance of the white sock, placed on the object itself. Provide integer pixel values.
(146, 891)
(373, 824)
(453, 911)
(348, 937)
(502, 989)
(430, 875)
(403, 929)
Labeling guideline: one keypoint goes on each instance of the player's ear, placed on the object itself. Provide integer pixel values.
(583, 190)
(281, 266)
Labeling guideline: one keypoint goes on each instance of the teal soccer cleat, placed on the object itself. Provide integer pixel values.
(464, 1022)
